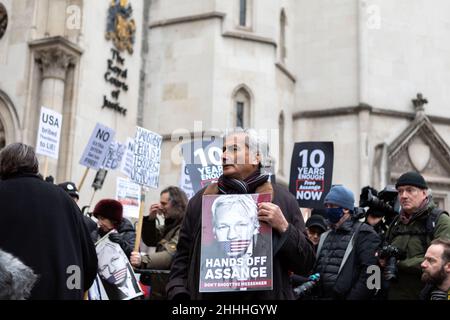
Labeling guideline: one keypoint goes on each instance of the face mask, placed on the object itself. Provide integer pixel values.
(334, 214)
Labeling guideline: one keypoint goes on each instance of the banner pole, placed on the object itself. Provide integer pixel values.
(45, 167)
(92, 198)
(140, 221)
(82, 179)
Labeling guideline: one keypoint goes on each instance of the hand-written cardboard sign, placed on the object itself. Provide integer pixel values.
(147, 158)
(114, 155)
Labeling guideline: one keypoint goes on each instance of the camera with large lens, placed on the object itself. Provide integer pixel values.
(381, 204)
(392, 254)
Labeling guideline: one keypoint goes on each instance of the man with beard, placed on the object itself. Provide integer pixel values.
(436, 271)
(172, 205)
(411, 232)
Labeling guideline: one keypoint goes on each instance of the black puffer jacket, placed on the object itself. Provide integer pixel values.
(350, 283)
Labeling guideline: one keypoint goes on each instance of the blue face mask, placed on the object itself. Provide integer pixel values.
(334, 214)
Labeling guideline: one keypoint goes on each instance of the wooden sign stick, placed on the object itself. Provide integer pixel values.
(82, 179)
(45, 167)
(140, 221)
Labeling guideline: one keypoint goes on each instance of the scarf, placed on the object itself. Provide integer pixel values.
(439, 295)
(248, 185)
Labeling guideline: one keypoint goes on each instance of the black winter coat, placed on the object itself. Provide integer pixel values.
(42, 226)
(351, 282)
(292, 251)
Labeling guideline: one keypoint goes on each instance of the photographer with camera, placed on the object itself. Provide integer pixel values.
(345, 251)
(381, 207)
(409, 236)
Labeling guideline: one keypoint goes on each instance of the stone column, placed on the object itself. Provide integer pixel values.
(53, 63)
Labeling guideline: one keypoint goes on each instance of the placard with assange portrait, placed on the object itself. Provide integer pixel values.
(236, 248)
(115, 279)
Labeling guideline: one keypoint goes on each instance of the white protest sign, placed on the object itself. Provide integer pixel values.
(127, 159)
(114, 155)
(129, 195)
(115, 272)
(147, 158)
(49, 133)
(97, 147)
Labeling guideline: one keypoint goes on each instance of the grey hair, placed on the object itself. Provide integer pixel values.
(244, 200)
(18, 158)
(257, 145)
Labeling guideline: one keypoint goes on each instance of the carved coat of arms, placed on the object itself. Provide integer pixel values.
(121, 29)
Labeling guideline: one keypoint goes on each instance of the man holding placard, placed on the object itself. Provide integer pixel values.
(145, 170)
(242, 160)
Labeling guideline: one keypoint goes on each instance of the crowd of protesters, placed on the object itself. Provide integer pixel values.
(330, 257)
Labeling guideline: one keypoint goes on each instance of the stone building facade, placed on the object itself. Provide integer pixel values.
(347, 71)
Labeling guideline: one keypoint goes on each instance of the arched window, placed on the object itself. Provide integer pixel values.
(241, 105)
(281, 143)
(283, 23)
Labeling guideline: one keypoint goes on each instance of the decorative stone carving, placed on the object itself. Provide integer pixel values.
(435, 168)
(420, 147)
(401, 162)
(54, 62)
(419, 103)
(419, 153)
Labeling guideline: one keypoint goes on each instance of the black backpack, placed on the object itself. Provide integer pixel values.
(427, 231)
